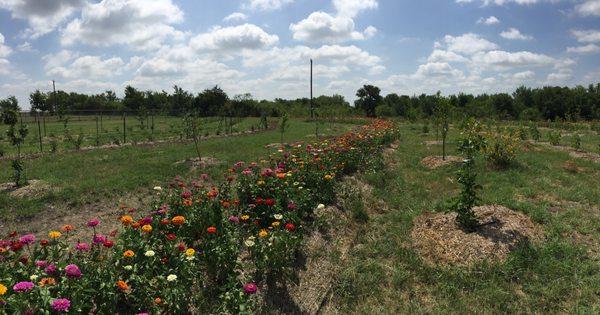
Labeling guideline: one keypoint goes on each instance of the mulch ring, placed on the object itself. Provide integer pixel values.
(433, 162)
(200, 163)
(440, 241)
(35, 188)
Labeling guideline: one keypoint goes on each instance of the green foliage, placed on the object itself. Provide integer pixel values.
(576, 144)
(283, 124)
(469, 145)
(534, 131)
(500, 148)
(425, 128)
(368, 99)
(554, 137)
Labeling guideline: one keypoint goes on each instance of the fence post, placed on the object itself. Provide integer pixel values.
(124, 128)
(101, 126)
(40, 134)
(97, 133)
(44, 119)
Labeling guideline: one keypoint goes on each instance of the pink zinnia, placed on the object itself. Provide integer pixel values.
(204, 176)
(247, 171)
(82, 247)
(98, 239)
(250, 288)
(234, 219)
(41, 263)
(27, 239)
(267, 172)
(93, 223)
(186, 194)
(72, 271)
(24, 286)
(61, 305)
(50, 269)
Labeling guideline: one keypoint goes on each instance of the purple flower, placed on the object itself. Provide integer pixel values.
(250, 288)
(234, 219)
(50, 269)
(41, 263)
(82, 247)
(146, 220)
(98, 239)
(27, 239)
(93, 223)
(72, 271)
(61, 305)
(24, 286)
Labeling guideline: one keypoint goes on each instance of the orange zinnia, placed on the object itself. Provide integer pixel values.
(47, 282)
(126, 219)
(67, 228)
(178, 220)
(122, 285)
(188, 202)
(211, 230)
(128, 253)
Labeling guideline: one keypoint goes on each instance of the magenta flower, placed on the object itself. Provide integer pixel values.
(72, 271)
(204, 176)
(82, 247)
(41, 263)
(186, 194)
(50, 269)
(250, 288)
(24, 286)
(247, 171)
(61, 305)
(93, 223)
(291, 206)
(146, 220)
(267, 172)
(234, 219)
(98, 239)
(27, 239)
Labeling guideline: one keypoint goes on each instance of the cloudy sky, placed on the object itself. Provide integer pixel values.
(263, 46)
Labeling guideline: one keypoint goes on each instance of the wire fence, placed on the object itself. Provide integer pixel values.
(76, 130)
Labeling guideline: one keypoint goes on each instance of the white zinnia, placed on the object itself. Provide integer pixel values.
(249, 243)
(171, 278)
(320, 206)
(278, 216)
(128, 267)
(158, 188)
(33, 277)
(149, 253)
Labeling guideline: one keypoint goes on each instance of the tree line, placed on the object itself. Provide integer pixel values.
(549, 102)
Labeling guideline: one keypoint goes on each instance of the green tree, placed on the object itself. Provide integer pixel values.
(368, 99)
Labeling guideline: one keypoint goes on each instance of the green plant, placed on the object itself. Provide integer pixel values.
(500, 148)
(576, 144)
(534, 131)
(425, 128)
(554, 137)
(469, 145)
(53, 144)
(283, 124)
(17, 138)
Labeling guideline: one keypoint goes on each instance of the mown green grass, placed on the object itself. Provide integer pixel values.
(92, 176)
(110, 129)
(386, 276)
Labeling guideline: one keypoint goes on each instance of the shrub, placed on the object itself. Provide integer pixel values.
(500, 148)
(576, 144)
(554, 137)
(534, 131)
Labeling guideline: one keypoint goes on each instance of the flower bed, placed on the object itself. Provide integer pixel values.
(200, 249)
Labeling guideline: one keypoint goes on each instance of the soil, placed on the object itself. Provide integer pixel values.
(35, 188)
(433, 162)
(440, 241)
(200, 163)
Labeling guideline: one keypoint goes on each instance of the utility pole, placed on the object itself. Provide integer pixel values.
(311, 90)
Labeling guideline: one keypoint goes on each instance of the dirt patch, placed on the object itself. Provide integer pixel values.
(433, 162)
(35, 188)
(388, 154)
(200, 163)
(430, 143)
(275, 145)
(571, 167)
(440, 241)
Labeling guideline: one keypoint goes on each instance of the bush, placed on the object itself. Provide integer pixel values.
(500, 148)
(554, 137)
(576, 144)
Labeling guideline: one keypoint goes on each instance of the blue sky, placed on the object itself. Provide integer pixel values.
(263, 47)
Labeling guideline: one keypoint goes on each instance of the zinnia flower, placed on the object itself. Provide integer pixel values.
(61, 305)
(171, 278)
(320, 206)
(290, 227)
(147, 228)
(3, 289)
(24, 286)
(263, 233)
(50, 269)
(128, 253)
(211, 230)
(82, 247)
(126, 219)
(54, 234)
(72, 271)
(27, 239)
(190, 252)
(149, 253)
(67, 228)
(278, 216)
(93, 223)
(250, 288)
(178, 220)
(123, 286)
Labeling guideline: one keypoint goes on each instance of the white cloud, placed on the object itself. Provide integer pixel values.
(351, 8)
(503, 60)
(588, 8)
(88, 67)
(42, 16)
(488, 21)
(437, 69)
(439, 55)
(323, 27)
(4, 50)
(58, 59)
(587, 36)
(25, 47)
(524, 75)
(468, 44)
(140, 24)
(235, 17)
(515, 34)
(266, 5)
(246, 36)
(503, 2)
(584, 50)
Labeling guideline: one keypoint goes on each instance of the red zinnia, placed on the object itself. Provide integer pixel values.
(211, 230)
(171, 236)
(290, 227)
(270, 202)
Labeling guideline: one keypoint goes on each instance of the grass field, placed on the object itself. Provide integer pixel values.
(100, 130)
(99, 177)
(561, 275)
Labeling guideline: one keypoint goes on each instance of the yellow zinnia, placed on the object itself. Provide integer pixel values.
(54, 234)
(3, 289)
(190, 252)
(263, 233)
(147, 228)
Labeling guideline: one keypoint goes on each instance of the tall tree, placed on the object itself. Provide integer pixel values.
(368, 99)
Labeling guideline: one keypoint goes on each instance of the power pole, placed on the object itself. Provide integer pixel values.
(311, 90)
